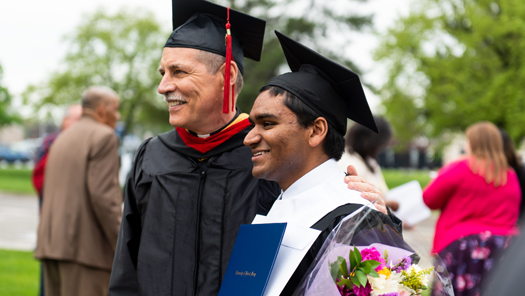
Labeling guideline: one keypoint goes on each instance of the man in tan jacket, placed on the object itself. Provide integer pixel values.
(81, 215)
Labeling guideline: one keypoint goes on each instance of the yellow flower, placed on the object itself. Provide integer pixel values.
(385, 271)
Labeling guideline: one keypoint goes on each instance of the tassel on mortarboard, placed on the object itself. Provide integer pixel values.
(229, 58)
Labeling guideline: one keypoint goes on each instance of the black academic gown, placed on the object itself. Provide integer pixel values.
(326, 225)
(182, 214)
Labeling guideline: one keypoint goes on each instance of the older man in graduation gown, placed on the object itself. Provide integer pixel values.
(191, 188)
(299, 122)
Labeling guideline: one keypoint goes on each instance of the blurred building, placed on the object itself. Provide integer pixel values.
(419, 155)
(11, 133)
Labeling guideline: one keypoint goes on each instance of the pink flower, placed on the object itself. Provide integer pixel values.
(485, 236)
(363, 291)
(480, 253)
(373, 254)
(460, 283)
(469, 281)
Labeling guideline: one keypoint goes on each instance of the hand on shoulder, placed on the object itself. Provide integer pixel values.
(368, 191)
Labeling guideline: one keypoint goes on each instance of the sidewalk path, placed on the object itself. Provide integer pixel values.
(421, 238)
(18, 221)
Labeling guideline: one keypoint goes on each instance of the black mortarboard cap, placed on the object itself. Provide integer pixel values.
(331, 90)
(201, 24)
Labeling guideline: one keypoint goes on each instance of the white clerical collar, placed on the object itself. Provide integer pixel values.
(328, 170)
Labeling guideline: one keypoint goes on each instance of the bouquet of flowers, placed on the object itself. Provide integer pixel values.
(364, 256)
(369, 274)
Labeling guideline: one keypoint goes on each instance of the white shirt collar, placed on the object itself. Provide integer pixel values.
(328, 170)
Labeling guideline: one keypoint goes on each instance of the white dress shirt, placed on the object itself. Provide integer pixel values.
(314, 195)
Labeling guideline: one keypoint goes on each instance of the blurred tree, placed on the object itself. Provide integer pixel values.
(455, 62)
(121, 51)
(319, 24)
(7, 116)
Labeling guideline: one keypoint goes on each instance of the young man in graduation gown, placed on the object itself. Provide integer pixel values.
(299, 122)
(190, 189)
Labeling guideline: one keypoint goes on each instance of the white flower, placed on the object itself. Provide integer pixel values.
(414, 268)
(382, 285)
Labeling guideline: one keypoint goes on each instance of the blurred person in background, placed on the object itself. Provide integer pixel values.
(81, 213)
(479, 197)
(361, 149)
(514, 162)
(72, 115)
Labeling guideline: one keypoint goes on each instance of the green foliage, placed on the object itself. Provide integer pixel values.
(121, 51)
(6, 116)
(16, 181)
(19, 273)
(414, 279)
(319, 22)
(396, 177)
(358, 271)
(453, 63)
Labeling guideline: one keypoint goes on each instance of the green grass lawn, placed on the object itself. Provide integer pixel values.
(19, 273)
(14, 180)
(18, 181)
(395, 178)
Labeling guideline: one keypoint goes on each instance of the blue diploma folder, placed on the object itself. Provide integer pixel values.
(252, 259)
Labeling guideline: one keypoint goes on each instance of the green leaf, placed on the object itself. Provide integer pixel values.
(345, 282)
(373, 263)
(353, 263)
(366, 267)
(357, 255)
(355, 280)
(361, 276)
(373, 273)
(334, 268)
(344, 269)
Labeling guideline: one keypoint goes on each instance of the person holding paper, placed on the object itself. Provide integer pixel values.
(479, 197)
(299, 121)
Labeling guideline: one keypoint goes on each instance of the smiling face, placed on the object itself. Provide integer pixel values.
(279, 143)
(194, 96)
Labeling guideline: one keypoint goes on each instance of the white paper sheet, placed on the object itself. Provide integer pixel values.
(296, 243)
(412, 209)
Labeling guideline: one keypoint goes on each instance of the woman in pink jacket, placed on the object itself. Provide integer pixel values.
(479, 197)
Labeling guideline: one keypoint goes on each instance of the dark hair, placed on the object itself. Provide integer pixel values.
(510, 152)
(367, 143)
(333, 144)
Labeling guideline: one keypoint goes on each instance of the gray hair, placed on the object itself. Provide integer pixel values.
(96, 95)
(214, 62)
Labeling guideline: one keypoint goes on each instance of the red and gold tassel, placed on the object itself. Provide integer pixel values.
(229, 58)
